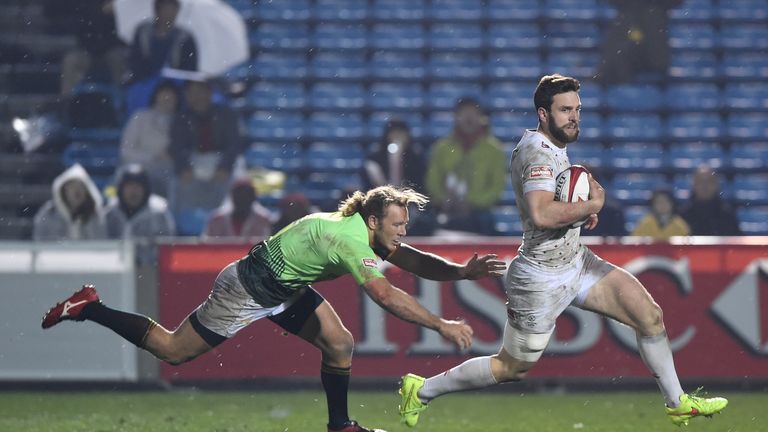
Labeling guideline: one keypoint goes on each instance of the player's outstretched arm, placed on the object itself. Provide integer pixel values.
(402, 305)
(434, 267)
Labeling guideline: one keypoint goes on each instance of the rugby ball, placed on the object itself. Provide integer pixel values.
(572, 185)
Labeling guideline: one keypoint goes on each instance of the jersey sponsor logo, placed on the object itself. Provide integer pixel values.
(540, 171)
(369, 262)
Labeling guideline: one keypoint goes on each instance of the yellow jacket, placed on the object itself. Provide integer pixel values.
(649, 227)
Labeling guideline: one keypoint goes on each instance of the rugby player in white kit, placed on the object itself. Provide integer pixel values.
(554, 270)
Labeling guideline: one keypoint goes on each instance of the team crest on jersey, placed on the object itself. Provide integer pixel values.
(369, 262)
(540, 171)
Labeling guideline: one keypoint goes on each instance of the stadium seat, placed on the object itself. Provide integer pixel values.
(570, 35)
(509, 127)
(570, 10)
(456, 37)
(276, 126)
(748, 126)
(395, 97)
(751, 37)
(681, 187)
(455, 10)
(749, 156)
(280, 36)
(507, 66)
(632, 215)
(338, 158)
(635, 189)
(692, 97)
(746, 96)
(455, 66)
(398, 10)
(695, 126)
(635, 127)
(339, 66)
(398, 37)
(751, 189)
(581, 65)
(637, 157)
(592, 154)
(379, 119)
(278, 67)
(96, 158)
(439, 124)
(506, 96)
(522, 36)
(274, 96)
(507, 220)
(295, 10)
(689, 156)
(335, 127)
(191, 222)
(694, 66)
(337, 96)
(443, 96)
(743, 11)
(285, 157)
(591, 95)
(514, 10)
(340, 10)
(590, 127)
(406, 66)
(693, 11)
(692, 36)
(340, 36)
(633, 97)
(753, 220)
(744, 66)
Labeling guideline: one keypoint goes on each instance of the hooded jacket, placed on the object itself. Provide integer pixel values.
(55, 221)
(150, 219)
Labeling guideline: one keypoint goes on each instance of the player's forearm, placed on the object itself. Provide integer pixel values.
(437, 268)
(559, 214)
(400, 304)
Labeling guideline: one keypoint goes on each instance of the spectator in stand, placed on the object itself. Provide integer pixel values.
(292, 207)
(467, 172)
(158, 43)
(241, 216)
(706, 212)
(663, 221)
(74, 213)
(146, 139)
(612, 221)
(205, 142)
(396, 160)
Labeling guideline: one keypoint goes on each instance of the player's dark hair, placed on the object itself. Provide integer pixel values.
(551, 85)
(376, 200)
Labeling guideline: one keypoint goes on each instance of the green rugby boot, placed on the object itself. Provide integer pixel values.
(694, 405)
(411, 406)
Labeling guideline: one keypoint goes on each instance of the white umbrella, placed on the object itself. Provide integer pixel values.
(219, 30)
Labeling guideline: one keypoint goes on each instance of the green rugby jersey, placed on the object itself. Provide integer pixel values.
(317, 247)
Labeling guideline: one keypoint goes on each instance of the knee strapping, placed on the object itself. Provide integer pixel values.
(523, 346)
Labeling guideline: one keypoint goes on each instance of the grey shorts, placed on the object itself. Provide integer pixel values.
(230, 308)
(537, 295)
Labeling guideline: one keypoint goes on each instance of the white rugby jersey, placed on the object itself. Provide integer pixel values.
(534, 165)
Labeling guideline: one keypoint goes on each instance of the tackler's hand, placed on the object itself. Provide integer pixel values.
(484, 266)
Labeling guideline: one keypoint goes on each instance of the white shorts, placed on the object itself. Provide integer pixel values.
(537, 295)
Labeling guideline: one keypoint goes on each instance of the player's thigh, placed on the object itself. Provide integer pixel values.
(324, 329)
(619, 295)
(182, 344)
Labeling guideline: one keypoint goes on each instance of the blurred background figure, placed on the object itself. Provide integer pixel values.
(292, 207)
(74, 213)
(636, 42)
(612, 222)
(205, 141)
(663, 221)
(396, 160)
(467, 172)
(706, 212)
(241, 216)
(146, 139)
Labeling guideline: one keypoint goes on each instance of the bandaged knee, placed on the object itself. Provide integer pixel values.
(523, 346)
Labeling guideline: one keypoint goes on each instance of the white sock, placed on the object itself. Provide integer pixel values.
(657, 356)
(474, 373)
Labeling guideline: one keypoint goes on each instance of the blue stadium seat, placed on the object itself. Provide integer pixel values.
(439, 124)
(273, 96)
(591, 95)
(753, 220)
(340, 36)
(398, 10)
(295, 10)
(191, 222)
(581, 65)
(507, 220)
(681, 187)
(443, 96)
(748, 126)
(325, 157)
(635, 127)
(406, 66)
(398, 36)
(694, 66)
(689, 156)
(742, 11)
(276, 126)
(509, 127)
(696, 126)
(98, 135)
(746, 96)
(590, 126)
(336, 127)
(507, 96)
(508, 197)
(633, 97)
(286, 157)
(340, 10)
(637, 157)
(98, 158)
(522, 36)
(280, 36)
(379, 119)
(632, 215)
(635, 189)
(456, 66)
(570, 10)
(514, 10)
(592, 154)
(744, 66)
(244, 7)
(274, 66)
(337, 96)
(693, 11)
(693, 97)
(456, 37)
(744, 37)
(749, 156)
(692, 36)
(455, 10)
(507, 66)
(396, 97)
(339, 66)
(570, 35)
(751, 189)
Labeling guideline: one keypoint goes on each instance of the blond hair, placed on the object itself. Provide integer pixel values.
(375, 201)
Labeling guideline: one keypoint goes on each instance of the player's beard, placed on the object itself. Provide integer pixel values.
(559, 134)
